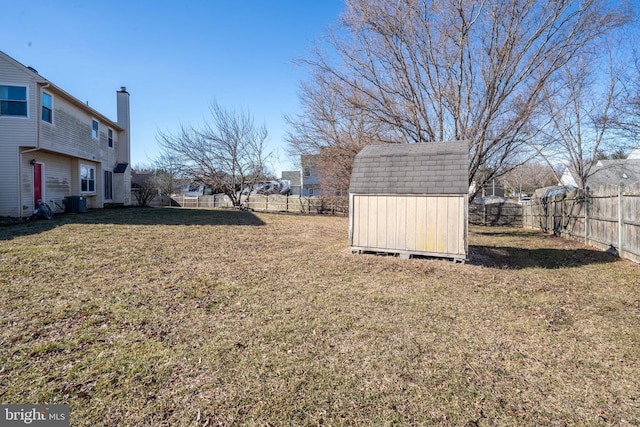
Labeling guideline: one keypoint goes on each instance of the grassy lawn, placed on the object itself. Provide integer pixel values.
(192, 317)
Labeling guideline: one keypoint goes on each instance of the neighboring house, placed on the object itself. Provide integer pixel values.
(309, 182)
(635, 154)
(624, 171)
(53, 145)
(294, 177)
(410, 199)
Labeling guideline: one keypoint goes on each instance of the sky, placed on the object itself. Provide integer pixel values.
(174, 58)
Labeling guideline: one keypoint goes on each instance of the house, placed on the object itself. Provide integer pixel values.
(635, 153)
(309, 182)
(620, 171)
(410, 199)
(54, 147)
(304, 182)
(295, 179)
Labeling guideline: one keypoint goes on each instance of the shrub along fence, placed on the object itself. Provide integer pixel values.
(606, 217)
(268, 203)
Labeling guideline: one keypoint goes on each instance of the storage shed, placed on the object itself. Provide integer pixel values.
(410, 199)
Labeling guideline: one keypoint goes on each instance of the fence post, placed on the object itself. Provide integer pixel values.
(620, 219)
(586, 215)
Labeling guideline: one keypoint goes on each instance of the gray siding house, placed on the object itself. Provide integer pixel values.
(53, 145)
(410, 199)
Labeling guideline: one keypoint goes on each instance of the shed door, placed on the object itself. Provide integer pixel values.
(37, 183)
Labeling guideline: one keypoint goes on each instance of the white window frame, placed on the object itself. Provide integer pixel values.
(43, 107)
(110, 138)
(94, 180)
(95, 133)
(9, 116)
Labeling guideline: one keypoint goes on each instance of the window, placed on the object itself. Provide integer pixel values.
(94, 129)
(110, 137)
(13, 101)
(47, 107)
(87, 179)
(108, 185)
(311, 192)
(306, 171)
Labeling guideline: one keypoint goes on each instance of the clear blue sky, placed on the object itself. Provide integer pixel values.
(173, 57)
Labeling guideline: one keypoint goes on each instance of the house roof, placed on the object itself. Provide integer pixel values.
(40, 80)
(121, 168)
(421, 168)
(625, 171)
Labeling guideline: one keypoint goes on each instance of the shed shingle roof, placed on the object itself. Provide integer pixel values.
(422, 168)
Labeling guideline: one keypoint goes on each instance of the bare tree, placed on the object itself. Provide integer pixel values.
(434, 70)
(527, 177)
(168, 172)
(227, 153)
(331, 129)
(627, 112)
(579, 108)
(144, 185)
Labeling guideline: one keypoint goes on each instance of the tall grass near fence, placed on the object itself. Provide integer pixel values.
(606, 217)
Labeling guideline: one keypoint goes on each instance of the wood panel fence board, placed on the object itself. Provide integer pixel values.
(606, 217)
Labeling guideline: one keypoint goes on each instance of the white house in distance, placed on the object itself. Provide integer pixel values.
(53, 146)
(304, 182)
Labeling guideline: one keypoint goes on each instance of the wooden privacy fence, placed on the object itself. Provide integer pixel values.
(606, 217)
(268, 203)
(507, 214)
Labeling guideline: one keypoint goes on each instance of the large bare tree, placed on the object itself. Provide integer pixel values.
(626, 119)
(579, 114)
(333, 130)
(227, 153)
(435, 70)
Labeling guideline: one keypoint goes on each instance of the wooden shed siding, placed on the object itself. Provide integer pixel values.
(433, 224)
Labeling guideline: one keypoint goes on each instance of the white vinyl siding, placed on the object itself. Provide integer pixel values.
(56, 178)
(72, 134)
(15, 132)
(9, 181)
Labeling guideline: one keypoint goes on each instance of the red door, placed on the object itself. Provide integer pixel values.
(37, 183)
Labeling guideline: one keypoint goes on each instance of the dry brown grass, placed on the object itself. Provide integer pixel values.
(178, 317)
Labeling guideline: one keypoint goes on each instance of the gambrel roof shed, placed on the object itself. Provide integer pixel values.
(424, 168)
(410, 199)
